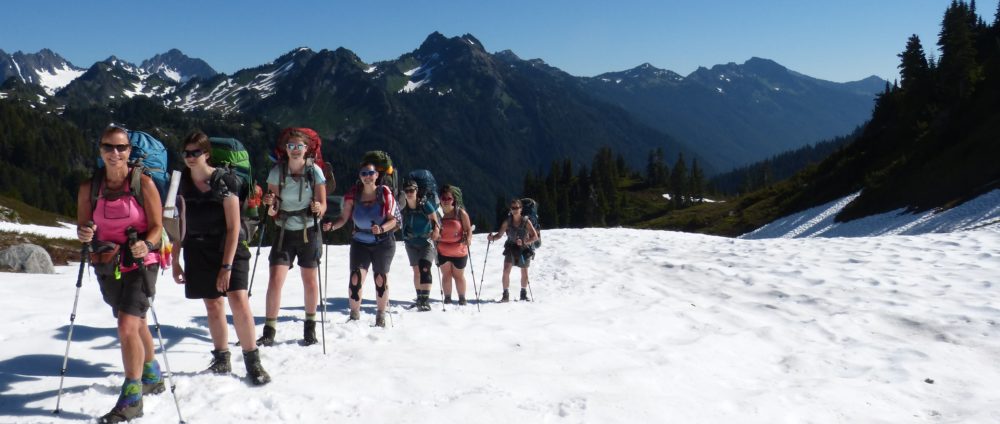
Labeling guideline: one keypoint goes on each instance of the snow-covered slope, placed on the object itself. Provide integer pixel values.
(627, 326)
(818, 221)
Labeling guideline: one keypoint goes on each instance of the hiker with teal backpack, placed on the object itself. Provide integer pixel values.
(120, 198)
(371, 206)
(420, 229)
(296, 197)
(216, 257)
(453, 247)
(517, 250)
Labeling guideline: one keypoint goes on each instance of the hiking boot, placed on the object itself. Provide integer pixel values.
(220, 363)
(355, 315)
(267, 339)
(152, 379)
(423, 305)
(506, 297)
(447, 300)
(462, 301)
(255, 371)
(129, 404)
(524, 295)
(380, 319)
(309, 333)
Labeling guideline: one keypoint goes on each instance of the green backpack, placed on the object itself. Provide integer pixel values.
(230, 154)
(383, 164)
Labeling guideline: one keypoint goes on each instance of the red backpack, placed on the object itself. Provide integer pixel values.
(313, 150)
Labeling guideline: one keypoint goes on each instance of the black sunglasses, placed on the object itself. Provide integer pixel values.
(409, 190)
(193, 153)
(108, 148)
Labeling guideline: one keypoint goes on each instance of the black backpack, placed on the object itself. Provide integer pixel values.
(529, 209)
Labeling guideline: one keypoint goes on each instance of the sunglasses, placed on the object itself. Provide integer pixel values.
(193, 153)
(409, 190)
(366, 173)
(295, 146)
(108, 148)
(447, 199)
(514, 208)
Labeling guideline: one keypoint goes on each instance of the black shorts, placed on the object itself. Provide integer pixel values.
(132, 292)
(378, 255)
(458, 263)
(293, 245)
(202, 262)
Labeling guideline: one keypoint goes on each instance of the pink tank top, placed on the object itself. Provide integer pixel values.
(112, 217)
(451, 244)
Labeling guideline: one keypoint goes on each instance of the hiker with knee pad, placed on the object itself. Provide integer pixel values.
(372, 208)
(120, 198)
(453, 247)
(216, 257)
(517, 251)
(420, 229)
(296, 195)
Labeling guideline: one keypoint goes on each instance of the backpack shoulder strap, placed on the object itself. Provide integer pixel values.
(282, 169)
(95, 188)
(136, 184)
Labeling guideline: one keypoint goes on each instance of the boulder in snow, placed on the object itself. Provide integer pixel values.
(28, 258)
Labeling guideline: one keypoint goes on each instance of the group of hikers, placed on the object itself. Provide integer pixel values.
(120, 220)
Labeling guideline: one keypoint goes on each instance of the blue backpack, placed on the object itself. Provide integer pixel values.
(426, 195)
(148, 157)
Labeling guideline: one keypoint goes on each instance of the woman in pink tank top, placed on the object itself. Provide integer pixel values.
(126, 286)
(453, 246)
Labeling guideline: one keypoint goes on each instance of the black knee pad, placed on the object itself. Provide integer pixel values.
(355, 285)
(380, 290)
(425, 272)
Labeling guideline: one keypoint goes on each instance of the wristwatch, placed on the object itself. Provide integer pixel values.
(149, 246)
(227, 267)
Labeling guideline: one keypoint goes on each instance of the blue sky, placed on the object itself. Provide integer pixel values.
(839, 40)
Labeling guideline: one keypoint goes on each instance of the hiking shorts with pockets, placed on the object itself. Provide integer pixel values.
(131, 293)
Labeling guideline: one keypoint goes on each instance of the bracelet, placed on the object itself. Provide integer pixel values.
(149, 246)
(227, 267)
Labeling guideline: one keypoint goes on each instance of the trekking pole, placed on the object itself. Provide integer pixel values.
(84, 253)
(133, 237)
(385, 283)
(319, 284)
(440, 283)
(482, 275)
(529, 280)
(474, 288)
(166, 362)
(263, 227)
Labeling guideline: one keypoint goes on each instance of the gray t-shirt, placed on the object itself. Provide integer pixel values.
(296, 195)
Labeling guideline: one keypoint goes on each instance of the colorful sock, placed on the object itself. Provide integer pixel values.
(131, 393)
(151, 372)
(311, 317)
(271, 322)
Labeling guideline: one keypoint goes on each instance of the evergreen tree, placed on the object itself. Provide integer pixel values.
(996, 19)
(565, 204)
(958, 67)
(678, 182)
(913, 66)
(622, 166)
(550, 213)
(696, 183)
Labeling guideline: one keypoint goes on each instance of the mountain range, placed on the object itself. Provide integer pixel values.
(740, 112)
(483, 119)
(728, 115)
